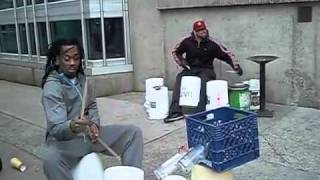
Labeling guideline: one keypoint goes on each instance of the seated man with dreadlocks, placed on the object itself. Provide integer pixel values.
(63, 87)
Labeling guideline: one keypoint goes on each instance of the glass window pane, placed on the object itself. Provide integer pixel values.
(6, 4)
(23, 39)
(54, 0)
(20, 2)
(32, 39)
(39, 1)
(94, 39)
(66, 29)
(43, 41)
(8, 39)
(114, 34)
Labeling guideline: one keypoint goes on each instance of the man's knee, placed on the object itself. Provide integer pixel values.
(136, 131)
(51, 159)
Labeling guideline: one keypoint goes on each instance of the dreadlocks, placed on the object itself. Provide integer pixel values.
(54, 51)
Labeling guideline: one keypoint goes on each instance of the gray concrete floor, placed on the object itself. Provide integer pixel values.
(289, 142)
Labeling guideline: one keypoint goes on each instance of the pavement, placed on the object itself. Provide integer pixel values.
(289, 142)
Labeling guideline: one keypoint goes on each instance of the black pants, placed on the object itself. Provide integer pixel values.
(205, 76)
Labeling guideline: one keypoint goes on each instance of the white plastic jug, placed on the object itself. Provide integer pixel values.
(150, 84)
(254, 88)
(174, 177)
(157, 105)
(217, 94)
(190, 91)
(123, 173)
(89, 168)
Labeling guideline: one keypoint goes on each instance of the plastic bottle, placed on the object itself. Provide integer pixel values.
(169, 166)
(193, 157)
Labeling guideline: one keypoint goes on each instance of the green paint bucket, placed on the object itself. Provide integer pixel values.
(239, 96)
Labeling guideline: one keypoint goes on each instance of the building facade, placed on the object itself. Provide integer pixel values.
(127, 42)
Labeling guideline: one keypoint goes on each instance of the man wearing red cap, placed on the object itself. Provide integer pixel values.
(195, 54)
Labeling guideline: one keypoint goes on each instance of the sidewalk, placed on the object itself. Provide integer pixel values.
(289, 142)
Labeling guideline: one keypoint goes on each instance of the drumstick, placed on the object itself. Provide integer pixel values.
(84, 97)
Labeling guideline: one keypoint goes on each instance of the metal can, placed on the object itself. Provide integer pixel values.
(17, 164)
(239, 96)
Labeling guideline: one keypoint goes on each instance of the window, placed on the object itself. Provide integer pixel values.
(43, 40)
(8, 41)
(29, 2)
(66, 29)
(6, 4)
(114, 35)
(114, 38)
(94, 39)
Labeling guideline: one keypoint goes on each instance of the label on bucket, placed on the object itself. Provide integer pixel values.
(244, 101)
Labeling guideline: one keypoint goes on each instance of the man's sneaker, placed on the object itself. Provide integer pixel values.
(173, 117)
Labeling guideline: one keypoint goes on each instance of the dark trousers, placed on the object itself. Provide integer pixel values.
(205, 76)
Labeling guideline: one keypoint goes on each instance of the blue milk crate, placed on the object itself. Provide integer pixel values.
(231, 136)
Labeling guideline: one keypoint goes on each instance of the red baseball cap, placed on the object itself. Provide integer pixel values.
(199, 25)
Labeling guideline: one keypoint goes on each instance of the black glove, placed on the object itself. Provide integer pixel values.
(238, 69)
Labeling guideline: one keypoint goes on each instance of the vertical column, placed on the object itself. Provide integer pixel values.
(35, 30)
(125, 17)
(47, 21)
(84, 36)
(17, 27)
(104, 54)
(27, 28)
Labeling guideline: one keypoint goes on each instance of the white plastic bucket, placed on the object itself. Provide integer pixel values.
(174, 177)
(217, 94)
(123, 173)
(254, 85)
(150, 84)
(157, 105)
(190, 91)
(89, 167)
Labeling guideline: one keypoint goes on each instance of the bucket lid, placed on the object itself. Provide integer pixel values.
(238, 86)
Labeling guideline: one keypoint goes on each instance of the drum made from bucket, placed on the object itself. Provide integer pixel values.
(174, 177)
(123, 173)
(217, 94)
(89, 167)
(190, 91)
(239, 96)
(157, 106)
(152, 83)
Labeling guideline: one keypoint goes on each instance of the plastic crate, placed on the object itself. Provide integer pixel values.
(231, 136)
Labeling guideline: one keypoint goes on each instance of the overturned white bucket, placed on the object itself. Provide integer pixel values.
(157, 105)
(157, 99)
(190, 91)
(123, 173)
(151, 83)
(174, 177)
(217, 94)
(89, 168)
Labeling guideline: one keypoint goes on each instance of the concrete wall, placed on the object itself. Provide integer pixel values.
(147, 42)
(246, 30)
(31, 74)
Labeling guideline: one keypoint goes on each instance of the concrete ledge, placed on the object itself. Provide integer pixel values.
(180, 4)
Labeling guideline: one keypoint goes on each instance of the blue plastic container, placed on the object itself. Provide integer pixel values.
(231, 136)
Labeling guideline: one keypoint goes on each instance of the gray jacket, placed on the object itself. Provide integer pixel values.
(62, 102)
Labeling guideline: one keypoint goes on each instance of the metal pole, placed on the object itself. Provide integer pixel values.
(35, 30)
(262, 86)
(27, 28)
(47, 21)
(124, 21)
(103, 36)
(17, 28)
(83, 28)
